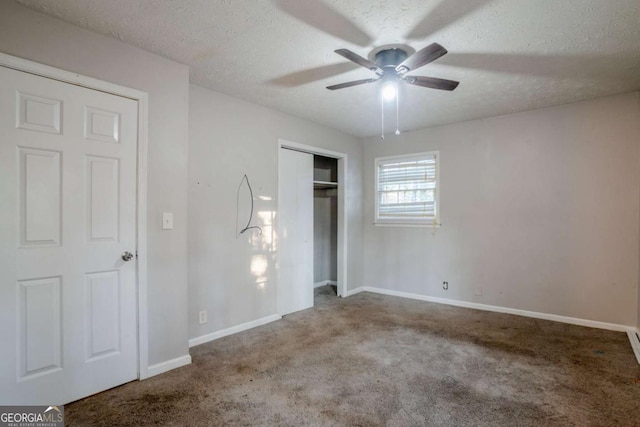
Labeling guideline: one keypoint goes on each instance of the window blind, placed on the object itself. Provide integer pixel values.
(407, 188)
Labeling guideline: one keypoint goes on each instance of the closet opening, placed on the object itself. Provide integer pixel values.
(312, 226)
(325, 228)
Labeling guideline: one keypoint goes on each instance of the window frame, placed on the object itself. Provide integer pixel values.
(407, 222)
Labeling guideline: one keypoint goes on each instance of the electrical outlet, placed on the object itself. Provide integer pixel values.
(445, 286)
(203, 317)
(478, 292)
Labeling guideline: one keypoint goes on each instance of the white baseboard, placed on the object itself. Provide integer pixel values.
(233, 330)
(351, 292)
(497, 309)
(163, 367)
(634, 339)
(325, 283)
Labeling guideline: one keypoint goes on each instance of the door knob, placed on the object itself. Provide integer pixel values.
(127, 256)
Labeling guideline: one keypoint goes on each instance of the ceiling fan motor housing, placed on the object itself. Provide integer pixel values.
(390, 58)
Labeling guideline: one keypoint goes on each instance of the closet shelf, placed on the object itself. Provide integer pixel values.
(324, 184)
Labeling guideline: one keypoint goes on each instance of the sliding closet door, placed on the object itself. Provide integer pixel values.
(296, 231)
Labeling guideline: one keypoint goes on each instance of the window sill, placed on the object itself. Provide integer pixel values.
(408, 224)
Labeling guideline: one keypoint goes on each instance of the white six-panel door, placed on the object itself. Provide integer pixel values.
(295, 213)
(67, 213)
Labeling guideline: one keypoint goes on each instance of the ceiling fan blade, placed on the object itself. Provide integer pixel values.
(618, 65)
(444, 14)
(421, 57)
(431, 82)
(309, 75)
(324, 18)
(354, 57)
(349, 84)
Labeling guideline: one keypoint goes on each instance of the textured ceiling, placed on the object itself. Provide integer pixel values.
(509, 55)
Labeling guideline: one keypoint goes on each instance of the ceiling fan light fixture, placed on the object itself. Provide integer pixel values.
(389, 91)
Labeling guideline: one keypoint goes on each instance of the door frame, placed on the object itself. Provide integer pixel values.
(342, 209)
(24, 65)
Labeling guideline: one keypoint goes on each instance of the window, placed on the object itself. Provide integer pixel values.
(407, 189)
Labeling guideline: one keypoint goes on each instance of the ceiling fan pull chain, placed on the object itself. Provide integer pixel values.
(398, 112)
(382, 114)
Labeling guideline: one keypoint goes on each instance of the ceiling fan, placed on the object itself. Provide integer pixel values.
(392, 65)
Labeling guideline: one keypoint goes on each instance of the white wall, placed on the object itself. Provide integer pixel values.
(234, 279)
(539, 209)
(43, 39)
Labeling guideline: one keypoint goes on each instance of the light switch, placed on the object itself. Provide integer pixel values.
(167, 221)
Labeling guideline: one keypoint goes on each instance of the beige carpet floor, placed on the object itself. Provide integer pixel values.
(371, 360)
